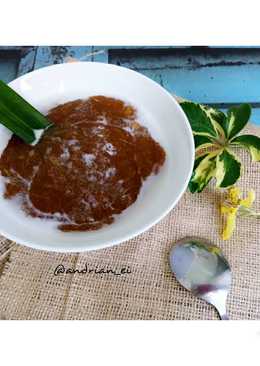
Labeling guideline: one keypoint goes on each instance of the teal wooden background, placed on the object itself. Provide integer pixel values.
(218, 76)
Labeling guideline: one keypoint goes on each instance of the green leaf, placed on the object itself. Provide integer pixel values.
(251, 142)
(228, 169)
(237, 118)
(215, 130)
(16, 125)
(218, 119)
(24, 110)
(199, 121)
(204, 170)
(202, 142)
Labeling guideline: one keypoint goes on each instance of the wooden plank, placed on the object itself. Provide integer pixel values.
(10, 48)
(179, 57)
(8, 68)
(49, 55)
(210, 76)
(255, 117)
(46, 56)
(203, 74)
(15, 61)
(100, 54)
(217, 85)
(27, 60)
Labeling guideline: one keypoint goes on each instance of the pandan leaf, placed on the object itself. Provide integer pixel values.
(16, 125)
(20, 117)
(24, 110)
(251, 142)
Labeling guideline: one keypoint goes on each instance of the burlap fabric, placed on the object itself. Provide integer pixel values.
(29, 289)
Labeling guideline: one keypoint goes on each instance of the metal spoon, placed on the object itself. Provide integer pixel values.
(202, 269)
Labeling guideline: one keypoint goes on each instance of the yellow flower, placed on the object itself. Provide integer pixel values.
(234, 195)
(230, 225)
(233, 206)
(249, 200)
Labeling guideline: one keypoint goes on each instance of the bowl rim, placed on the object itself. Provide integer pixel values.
(123, 238)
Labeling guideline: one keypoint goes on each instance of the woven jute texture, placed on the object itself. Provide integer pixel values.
(29, 289)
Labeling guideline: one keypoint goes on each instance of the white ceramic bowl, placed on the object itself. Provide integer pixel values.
(50, 86)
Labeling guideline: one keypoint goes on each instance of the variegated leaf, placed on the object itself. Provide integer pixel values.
(218, 119)
(228, 169)
(199, 121)
(251, 142)
(202, 142)
(237, 118)
(204, 170)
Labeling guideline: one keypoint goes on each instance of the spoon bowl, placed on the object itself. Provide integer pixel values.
(201, 268)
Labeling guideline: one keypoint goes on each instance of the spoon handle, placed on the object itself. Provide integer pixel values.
(218, 300)
(223, 317)
(221, 309)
